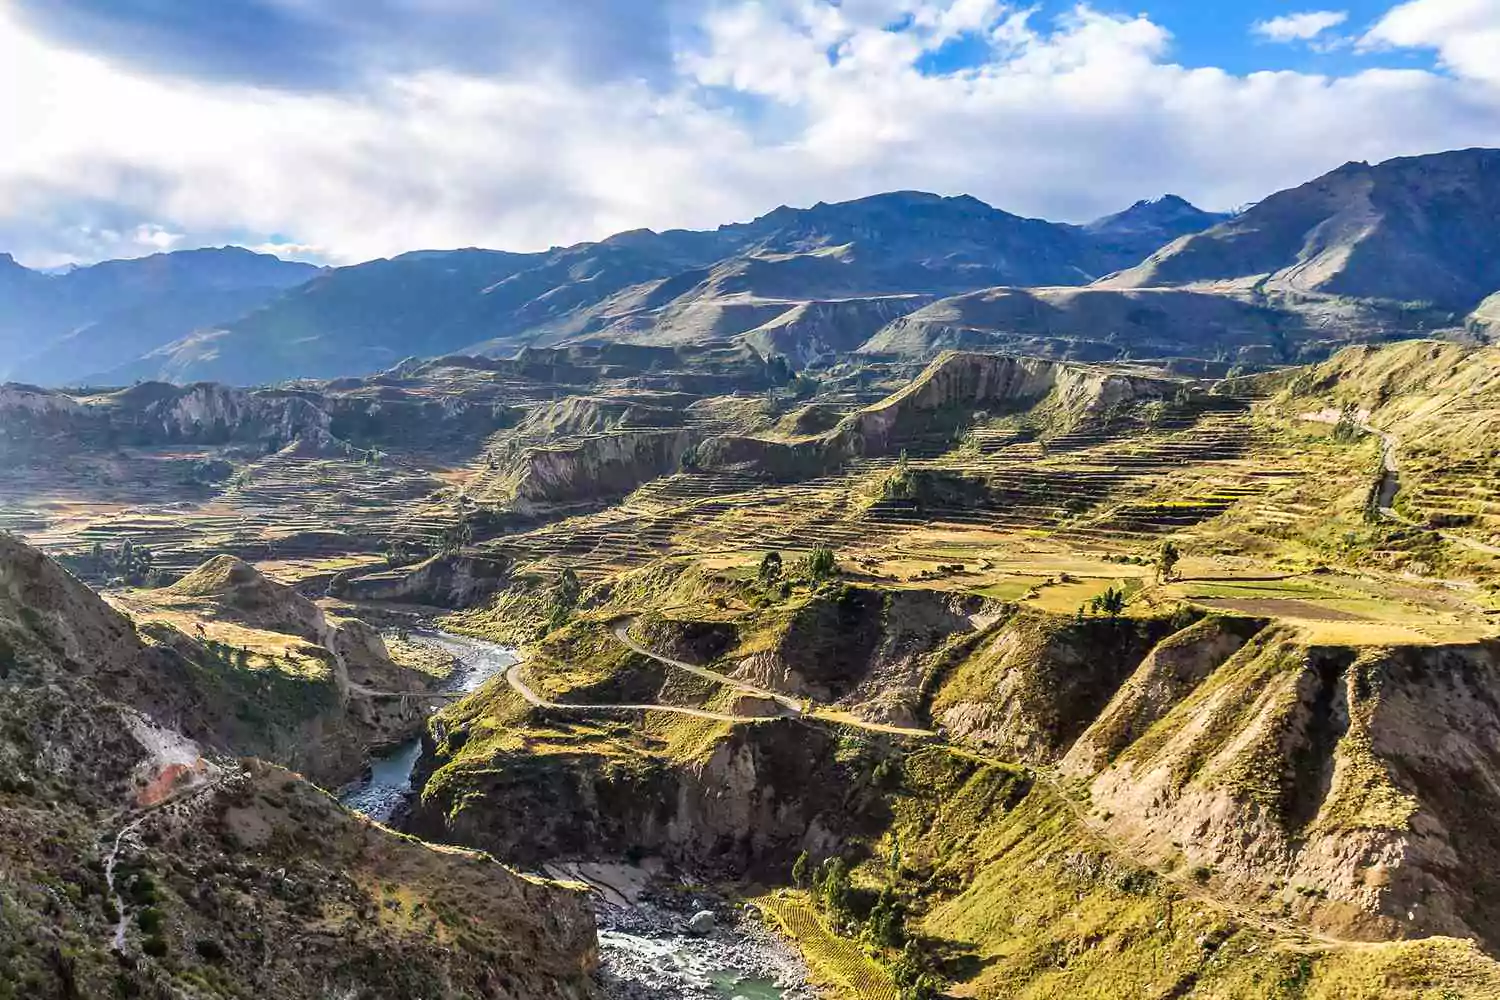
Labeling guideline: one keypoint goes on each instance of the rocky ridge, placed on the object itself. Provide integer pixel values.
(204, 872)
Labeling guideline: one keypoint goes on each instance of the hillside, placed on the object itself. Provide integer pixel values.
(1221, 326)
(142, 861)
(1094, 679)
(58, 329)
(1414, 229)
(804, 281)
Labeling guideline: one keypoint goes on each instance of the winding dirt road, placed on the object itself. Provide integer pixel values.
(621, 630)
(796, 709)
(513, 678)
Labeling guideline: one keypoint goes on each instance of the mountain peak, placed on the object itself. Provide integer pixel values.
(1438, 209)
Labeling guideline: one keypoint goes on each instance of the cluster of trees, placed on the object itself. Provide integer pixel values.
(879, 922)
(130, 563)
(817, 566)
(1111, 604)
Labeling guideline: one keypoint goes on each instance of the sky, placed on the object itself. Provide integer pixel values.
(343, 130)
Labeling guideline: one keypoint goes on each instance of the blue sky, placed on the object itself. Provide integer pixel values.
(337, 130)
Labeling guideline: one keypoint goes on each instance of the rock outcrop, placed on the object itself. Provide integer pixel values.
(448, 580)
(940, 402)
(596, 467)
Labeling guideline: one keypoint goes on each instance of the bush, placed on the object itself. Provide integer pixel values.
(150, 920)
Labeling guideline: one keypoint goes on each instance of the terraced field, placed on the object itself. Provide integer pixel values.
(837, 962)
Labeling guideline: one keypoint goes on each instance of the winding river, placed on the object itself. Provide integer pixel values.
(643, 951)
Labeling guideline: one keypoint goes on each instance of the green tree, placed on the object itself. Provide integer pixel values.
(886, 926)
(770, 569)
(821, 565)
(568, 589)
(799, 870)
(835, 889)
(1166, 561)
(1111, 602)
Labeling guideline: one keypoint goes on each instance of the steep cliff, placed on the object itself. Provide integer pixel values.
(941, 401)
(595, 467)
(444, 581)
(141, 862)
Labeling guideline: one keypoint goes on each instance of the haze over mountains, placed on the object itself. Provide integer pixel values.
(1364, 253)
(59, 327)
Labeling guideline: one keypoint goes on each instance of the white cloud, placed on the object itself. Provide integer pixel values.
(1465, 33)
(1299, 27)
(768, 102)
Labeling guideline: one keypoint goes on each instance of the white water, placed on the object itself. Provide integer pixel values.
(660, 964)
(642, 956)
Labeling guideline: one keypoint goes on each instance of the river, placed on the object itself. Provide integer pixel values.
(644, 949)
(383, 794)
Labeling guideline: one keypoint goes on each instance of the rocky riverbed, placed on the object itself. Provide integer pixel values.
(648, 952)
(659, 939)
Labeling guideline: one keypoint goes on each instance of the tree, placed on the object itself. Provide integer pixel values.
(821, 564)
(886, 926)
(568, 589)
(1166, 561)
(836, 887)
(799, 870)
(1111, 602)
(456, 536)
(770, 569)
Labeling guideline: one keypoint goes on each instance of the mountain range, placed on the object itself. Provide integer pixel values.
(57, 327)
(1365, 253)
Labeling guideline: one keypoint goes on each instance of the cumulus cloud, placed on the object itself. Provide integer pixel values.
(761, 102)
(1465, 33)
(1300, 27)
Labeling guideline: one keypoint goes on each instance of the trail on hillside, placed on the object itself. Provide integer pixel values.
(513, 678)
(796, 708)
(1390, 482)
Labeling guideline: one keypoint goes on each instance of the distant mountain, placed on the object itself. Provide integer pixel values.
(57, 328)
(809, 280)
(1416, 229)
(1151, 224)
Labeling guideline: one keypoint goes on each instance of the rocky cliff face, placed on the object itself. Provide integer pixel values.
(1358, 777)
(444, 581)
(1347, 784)
(173, 866)
(604, 466)
(753, 799)
(941, 401)
(156, 413)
